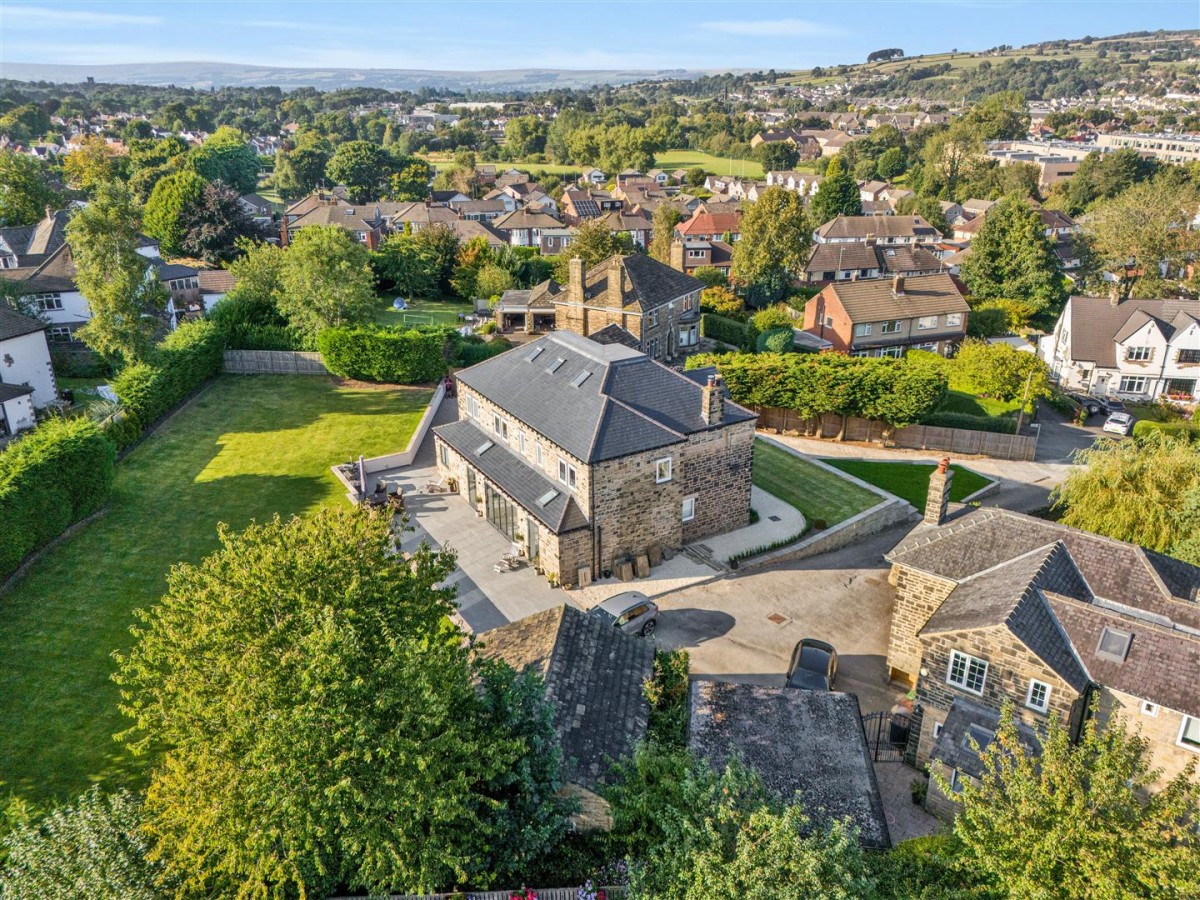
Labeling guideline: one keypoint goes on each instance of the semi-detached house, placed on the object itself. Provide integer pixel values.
(592, 454)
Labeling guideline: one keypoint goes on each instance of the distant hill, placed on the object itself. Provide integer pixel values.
(214, 74)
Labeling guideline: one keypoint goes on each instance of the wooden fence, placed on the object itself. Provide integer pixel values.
(912, 437)
(274, 362)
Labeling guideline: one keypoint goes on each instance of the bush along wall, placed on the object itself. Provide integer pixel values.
(742, 335)
(51, 478)
(385, 355)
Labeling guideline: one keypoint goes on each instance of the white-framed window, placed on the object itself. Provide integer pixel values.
(688, 337)
(1149, 709)
(521, 442)
(689, 508)
(966, 672)
(1038, 695)
(59, 334)
(696, 254)
(829, 321)
(500, 426)
(47, 302)
(953, 319)
(1189, 734)
(926, 322)
(862, 330)
(956, 783)
(443, 454)
(566, 473)
(662, 470)
(1133, 384)
(893, 352)
(892, 327)
(472, 407)
(937, 729)
(537, 453)
(652, 318)
(1137, 354)
(1188, 356)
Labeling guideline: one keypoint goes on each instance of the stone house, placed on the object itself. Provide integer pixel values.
(995, 606)
(688, 256)
(592, 455)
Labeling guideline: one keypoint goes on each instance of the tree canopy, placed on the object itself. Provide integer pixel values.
(837, 195)
(364, 168)
(773, 248)
(163, 218)
(25, 191)
(227, 157)
(1012, 258)
(325, 280)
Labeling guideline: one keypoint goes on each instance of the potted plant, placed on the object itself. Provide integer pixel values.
(918, 787)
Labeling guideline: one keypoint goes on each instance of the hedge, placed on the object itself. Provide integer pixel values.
(472, 352)
(248, 336)
(385, 355)
(179, 365)
(51, 478)
(1185, 429)
(775, 340)
(728, 331)
(996, 424)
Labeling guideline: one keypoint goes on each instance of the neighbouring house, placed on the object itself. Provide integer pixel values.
(806, 743)
(688, 256)
(481, 210)
(553, 241)
(594, 676)
(638, 226)
(660, 177)
(852, 261)
(993, 606)
(256, 207)
(889, 316)
(580, 205)
(595, 457)
(593, 176)
(367, 223)
(447, 198)
(711, 226)
(881, 229)
(468, 229)
(26, 376)
(214, 285)
(524, 227)
(530, 310)
(1137, 349)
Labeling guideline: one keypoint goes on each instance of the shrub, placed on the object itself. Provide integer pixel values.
(487, 328)
(667, 693)
(710, 276)
(987, 321)
(384, 355)
(59, 473)
(1184, 429)
(728, 331)
(996, 424)
(1061, 403)
(777, 316)
(777, 340)
(248, 336)
(472, 352)
(723, 302)
(79, 364)
(180, 364)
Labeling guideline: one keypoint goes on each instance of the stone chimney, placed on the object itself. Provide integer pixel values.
(614, 296)
(677, 256)
(939, 493)
(575, 270)
(1114, 293)
(898, 285)
(712, 401)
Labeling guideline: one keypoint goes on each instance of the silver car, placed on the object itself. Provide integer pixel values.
(631, 611)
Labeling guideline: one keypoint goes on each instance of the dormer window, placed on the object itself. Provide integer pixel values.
(1114, 645)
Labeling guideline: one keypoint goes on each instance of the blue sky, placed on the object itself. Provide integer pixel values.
(568, 34)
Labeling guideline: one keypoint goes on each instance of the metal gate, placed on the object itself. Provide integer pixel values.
(887, 735)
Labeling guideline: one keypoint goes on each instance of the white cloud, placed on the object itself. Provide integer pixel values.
(37, 16)
(771, 28)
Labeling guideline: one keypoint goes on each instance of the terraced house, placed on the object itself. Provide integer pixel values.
(590, 455)
(996, 606)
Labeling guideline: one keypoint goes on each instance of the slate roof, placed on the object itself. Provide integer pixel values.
(594, 677)
(469, 228)
(627, 404)
(646, 283)
(12, 391)
(1096, 324)
(908, 258)
(873, 300)
(615, 334)
(860, 227)
(14, 324)
(810, 742)
(529, 217)
(524, 484)
(834, 257)
(969, 721)
(1056, 587)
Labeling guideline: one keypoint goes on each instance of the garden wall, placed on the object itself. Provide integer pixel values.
(274, 362)
(959, 441)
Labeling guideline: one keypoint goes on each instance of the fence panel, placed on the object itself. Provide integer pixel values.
(274, 362)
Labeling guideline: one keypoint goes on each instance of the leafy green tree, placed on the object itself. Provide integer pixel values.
(410, 180)
(773, 247)
(722, 301)
(364, 168)
(1011, 257)
(170, 200)
(324, 726)
(122, 292)
(593, 243)
(326, 280)
(492, 280)
(439, 244)
(663, 221)
(215, 224)
(94, 847)
(948, 158)
(472, 256)
(408, 267)
(891, 163)
(25, 191)
(1003, 116)
(226, 156)
(1161, 472)
(301, 170)
(927, 208)
(777, 156)
(1084, 820)
(524, 136)
(1001, 371)
(92, 163)
(711, 276)
(837, 195)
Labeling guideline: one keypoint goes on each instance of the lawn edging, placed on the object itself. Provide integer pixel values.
(395, 460)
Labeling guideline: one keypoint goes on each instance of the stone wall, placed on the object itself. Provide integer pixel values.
(1161, 729)
(589, 318)
(918, 597)
(716, 471)
(631, 511)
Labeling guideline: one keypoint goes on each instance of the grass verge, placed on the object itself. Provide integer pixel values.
(816, 492)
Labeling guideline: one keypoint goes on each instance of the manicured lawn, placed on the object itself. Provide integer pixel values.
(421, 312)
(910, 481)
(974, 405)
(812, 490)
(688, 159)
(247, 448)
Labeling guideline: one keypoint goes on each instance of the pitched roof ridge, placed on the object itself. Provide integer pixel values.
(1040, 596)
(1047, 550)
(984, 514)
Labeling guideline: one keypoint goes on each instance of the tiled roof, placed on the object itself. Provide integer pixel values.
(615, 334)
(833, 257)
(594, 677)
(216, 281)
(13, 391)
(646, 283)
(627, 403)
(711, 223)
(874, 300)
(1096, 323)
(810, 742)
(529, 217)
(861, 227)
(908, 258)
(524, 484)
(14, 325)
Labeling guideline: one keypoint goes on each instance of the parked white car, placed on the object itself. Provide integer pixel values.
(1119, 423)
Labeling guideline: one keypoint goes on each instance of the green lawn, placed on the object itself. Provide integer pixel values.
(974, 405)
(248, 447)
(84, 390)
(910, 481)
(812, 490)
(688, 159)
(421, 312)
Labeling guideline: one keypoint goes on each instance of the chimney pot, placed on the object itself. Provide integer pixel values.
(898, 285)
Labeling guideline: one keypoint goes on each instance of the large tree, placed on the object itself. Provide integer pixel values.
(1012, 258)
(410, 178)
(172, 198)
(838, 195)
(1145, 490)
(326, 280)
(364, 168)
(215, 223)
(301, 170)
(121, 289)
(948, 158)
(664, 220)
(226, 156)
(90, 164)
(25, 192)
(773, 248)
(324, 727)
(777, 156)
(1080, 820)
